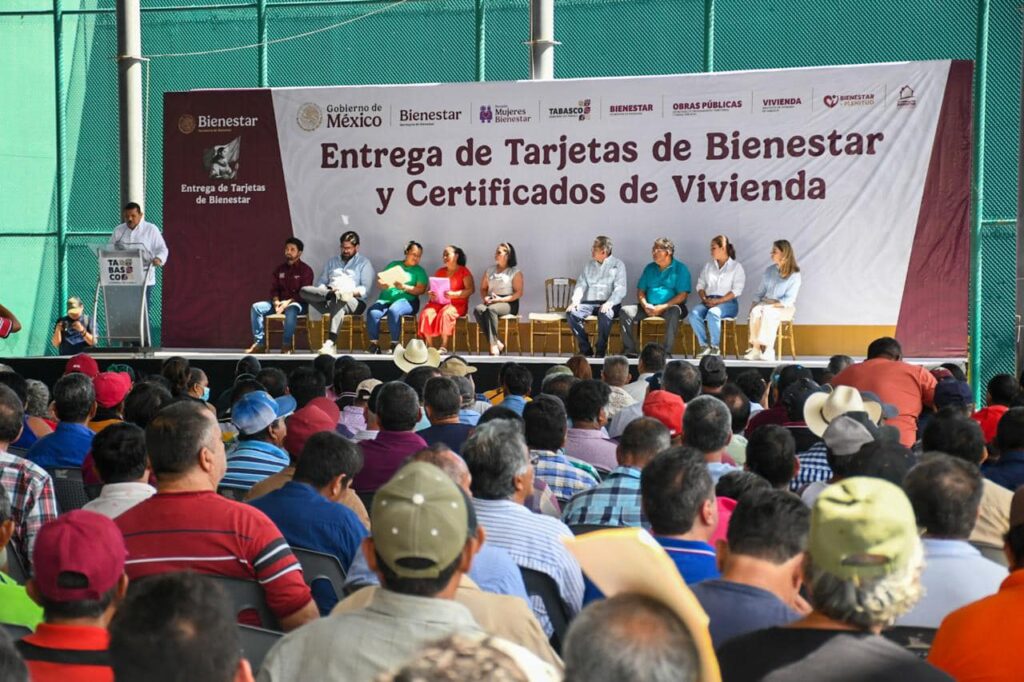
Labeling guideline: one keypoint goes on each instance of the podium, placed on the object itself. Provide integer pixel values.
(122, 284)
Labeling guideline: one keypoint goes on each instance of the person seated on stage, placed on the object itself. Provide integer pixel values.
(599, 291)
(719, 286)
(773, 301)
(74, 332)
(501, 288)
(439, 317)
(74, 401)
(343, 287)
(397, 298)
(662, 291)
(9, 324)
(289, 279)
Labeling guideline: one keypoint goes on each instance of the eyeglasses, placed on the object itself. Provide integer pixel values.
(534, 460)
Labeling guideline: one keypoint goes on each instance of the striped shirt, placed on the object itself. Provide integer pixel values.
(564, 479)
(206, 533)
(614, 502)
(251, 461)
(534, 541)
(813, 467)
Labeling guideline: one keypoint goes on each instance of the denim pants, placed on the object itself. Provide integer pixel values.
(259, 312)
(631, 313)
(394, 312)
(713, 316)
(577, 323)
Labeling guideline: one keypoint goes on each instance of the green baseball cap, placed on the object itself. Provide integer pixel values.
(420, 522)
(862, 528)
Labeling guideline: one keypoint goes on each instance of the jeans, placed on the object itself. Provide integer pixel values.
(629, 313)
(577, 319)
(394, 312)
(713, 317)
(259, 312)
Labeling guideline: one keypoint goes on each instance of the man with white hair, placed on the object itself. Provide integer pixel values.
(599, 291)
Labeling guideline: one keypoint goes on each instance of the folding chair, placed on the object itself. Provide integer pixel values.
(275, 325)
(543, 586)
(68, 488)
(321, 566)
(256, 642)
(558, 296)
(248, 595)
(917, 641)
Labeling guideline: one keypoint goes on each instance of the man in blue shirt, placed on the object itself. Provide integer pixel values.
(661, 291)
(762, 565)
(678, 499)
(516, 382)
(258, 454)
(74, 400)
(307, 509)
(1008, 470)
(441, 400)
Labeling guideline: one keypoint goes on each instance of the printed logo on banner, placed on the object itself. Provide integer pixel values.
(221, 161)
(907, 98)
(354, 115)
(713, 104)
(580, 111)
(855, 99)
(310, 116)
(504, 113)
(428, 117)
(186, 123)
(773, 103)
(631, 109)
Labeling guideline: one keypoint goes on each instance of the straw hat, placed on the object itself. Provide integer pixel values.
(821, 408)
(416, 354)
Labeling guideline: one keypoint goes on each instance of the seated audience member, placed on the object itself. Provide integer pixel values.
(198, 387)
(580, 367)
(308, 509)
(630, 637)
(502, 479)
(680, 378)
(586, 439)
(369, 412)
(707, 427)
(474, 659)
(542, 500)
(712, 374)
(74, 403)
(247, 367)
(442, 400)
(1001, 393)
(143, 402)
(777, 412)
(615, 501)
(35, 426)
(29, 488)
(111, 388)
(771, 454)
(836, 364)
(83, 363)
(516, 382)
(957, 396)
(1008, 470)
(667, 408)
(417, 378)
(467, 400)
(352, 419)
(945, 493)
(615, 373)
(559, 383)
(954, 435)
(762, 567)
(119, 455)
(909, 387)
(545, 435)
(735, 484)
(78, 577)
(679, 501)
(260, 421)
(419, 570)
(274, 380)
(305, 384)
(739, 407)
(755, 388)
(398, 411)
(16, 607)
(348, 379)
(178, 626)
(37, 399)
(981, 641)
(652, 360)
(861, 571)
(493, 569)
(188, 526)
(844, 438)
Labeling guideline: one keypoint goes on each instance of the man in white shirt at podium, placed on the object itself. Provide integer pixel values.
(136, 233)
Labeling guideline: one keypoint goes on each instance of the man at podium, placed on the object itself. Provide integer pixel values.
(136, 233)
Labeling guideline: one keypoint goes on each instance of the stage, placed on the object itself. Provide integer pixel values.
(219, 364)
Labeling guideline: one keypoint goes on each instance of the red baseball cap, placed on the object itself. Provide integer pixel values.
(304, 423)
(78, 556)
(83, 363)
(111, 387)
(667, 408)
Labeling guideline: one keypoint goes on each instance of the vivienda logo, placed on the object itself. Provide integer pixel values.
(907, 98)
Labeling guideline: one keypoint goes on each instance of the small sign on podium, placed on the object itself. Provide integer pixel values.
(124, 269)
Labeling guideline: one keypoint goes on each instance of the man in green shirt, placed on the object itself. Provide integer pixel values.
(397, 298)
(661, 291)
(16, 607)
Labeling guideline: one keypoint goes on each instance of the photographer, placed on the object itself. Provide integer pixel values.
(74, 332)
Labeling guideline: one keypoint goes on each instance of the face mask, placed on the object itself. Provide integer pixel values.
(206, 394)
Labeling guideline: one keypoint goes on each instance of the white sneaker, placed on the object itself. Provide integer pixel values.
(767, 356)
(752, 354)
(715, 350)
(328, 348)
(706, 350)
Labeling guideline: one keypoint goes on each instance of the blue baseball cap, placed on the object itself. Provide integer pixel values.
(257, 410)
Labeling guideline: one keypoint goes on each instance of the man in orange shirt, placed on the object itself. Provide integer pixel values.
(981, 641)
(908, 387)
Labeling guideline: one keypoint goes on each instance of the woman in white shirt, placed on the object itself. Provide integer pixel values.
(774, 301)
(501, 288)
(719, 285)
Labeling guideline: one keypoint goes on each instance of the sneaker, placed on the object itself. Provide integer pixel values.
(255, 348)
(715, 350)
(752, 354)
(705, 350)
(287, 350)
(767, 356)
(328, 348)
(374, 348)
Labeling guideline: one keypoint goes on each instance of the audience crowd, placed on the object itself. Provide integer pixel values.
(861, 523)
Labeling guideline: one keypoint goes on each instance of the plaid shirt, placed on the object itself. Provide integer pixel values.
(564, 479)
(813, 467)
(613, 502)
(33, 503)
